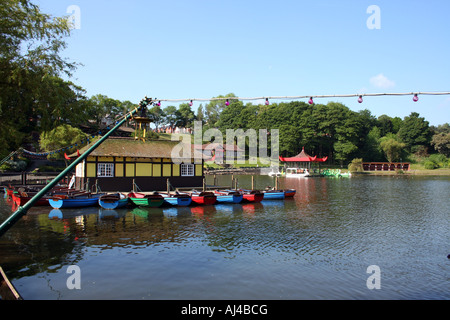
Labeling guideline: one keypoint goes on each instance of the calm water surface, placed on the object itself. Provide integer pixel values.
(315, 246)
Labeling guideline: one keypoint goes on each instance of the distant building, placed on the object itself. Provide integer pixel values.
(216, 151)
(119, 164)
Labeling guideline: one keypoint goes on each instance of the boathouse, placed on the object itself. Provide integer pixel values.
(125, 164)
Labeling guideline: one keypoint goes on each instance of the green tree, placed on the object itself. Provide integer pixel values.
(31, 90)
(214, 108)
(187, 116)
(441, 143)
(415, 132)
(391, 147)
(157, 115)
(64, 136)
(172, 117)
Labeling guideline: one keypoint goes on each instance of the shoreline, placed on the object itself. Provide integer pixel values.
(413, 172)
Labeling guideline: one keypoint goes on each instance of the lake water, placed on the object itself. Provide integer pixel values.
(318, 245)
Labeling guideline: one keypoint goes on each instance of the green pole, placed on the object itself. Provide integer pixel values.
(21, 211)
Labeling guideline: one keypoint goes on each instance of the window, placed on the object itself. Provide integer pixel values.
(105, 170)
(187, 170)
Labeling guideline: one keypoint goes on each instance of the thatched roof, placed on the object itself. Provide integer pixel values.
(129, 147)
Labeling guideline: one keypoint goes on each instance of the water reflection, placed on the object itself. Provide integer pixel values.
(306, 247)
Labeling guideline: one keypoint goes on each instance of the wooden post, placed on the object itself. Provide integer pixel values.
(276, 183)
(253, 182)
(168, 187)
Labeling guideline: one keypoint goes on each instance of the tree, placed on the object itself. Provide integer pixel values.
(172, 117)
(214, 109)
(31, 90)
(187, 116)
(385, 124)
(64, 136)
(441, 143)
(200, 114)
(415, 132)
(391, 147)
(158, 115)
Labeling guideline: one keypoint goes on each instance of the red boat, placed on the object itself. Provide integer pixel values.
(289, 193)
(203, 198)
(22, 200)
(21, 196)
(252, 195)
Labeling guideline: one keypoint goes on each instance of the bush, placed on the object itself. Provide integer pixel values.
(17, 166)
(430, 165)
(356, 165)
(438, 159)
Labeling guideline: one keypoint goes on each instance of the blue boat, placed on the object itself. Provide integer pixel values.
(228, 196)
(178, 199)
(113, 201)
(274, 195)
(75, 202)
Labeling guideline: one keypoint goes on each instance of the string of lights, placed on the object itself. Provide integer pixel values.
(310, 97)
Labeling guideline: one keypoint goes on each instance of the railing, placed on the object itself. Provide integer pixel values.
(30, 178)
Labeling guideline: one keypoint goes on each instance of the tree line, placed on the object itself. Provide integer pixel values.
(37, 102)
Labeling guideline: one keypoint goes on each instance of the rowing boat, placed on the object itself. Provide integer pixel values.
(202, 198)
(274, 195)
(89, 200)
(177, 199)
(153, 200)
(252, 195)
(228, 196)
(113, 201)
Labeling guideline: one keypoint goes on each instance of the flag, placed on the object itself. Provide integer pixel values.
(66, 157)
(78, 153)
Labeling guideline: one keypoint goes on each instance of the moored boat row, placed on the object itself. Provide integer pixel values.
(69, 198)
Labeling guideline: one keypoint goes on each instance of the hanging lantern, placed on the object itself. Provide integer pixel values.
(267, 102)
(311, 101)
(190, 103)
(227, 103)
(360, 99)
(415, 98)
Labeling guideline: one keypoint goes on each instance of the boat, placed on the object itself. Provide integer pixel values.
(153, 200)
(203, 197)
(336, 173)
(274, 173)
(88, 200)
(289, 193)
(252, 195)
(24, 194)
(296, 173)
(228, 196)
(21, 198)
(113, 201)
(274, 195)
(7, 289)
(177, 199)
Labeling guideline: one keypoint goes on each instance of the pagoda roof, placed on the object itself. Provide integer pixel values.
(303, 157)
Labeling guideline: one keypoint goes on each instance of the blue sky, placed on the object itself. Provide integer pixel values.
(204, 48)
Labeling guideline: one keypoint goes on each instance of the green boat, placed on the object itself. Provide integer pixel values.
(146, 200)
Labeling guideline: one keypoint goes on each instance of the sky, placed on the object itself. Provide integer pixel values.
(188, 49)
